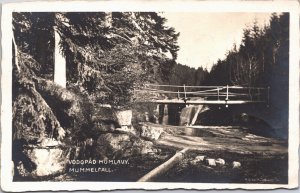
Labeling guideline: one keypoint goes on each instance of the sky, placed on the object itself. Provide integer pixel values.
(206, 37)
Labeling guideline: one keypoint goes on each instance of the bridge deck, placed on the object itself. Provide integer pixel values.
(222, 95)
(216, 102)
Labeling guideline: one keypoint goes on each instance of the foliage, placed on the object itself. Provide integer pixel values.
(262, 60)
(33, 119)
(33, 34)
(107, 54)
(121, 52)
(254, 61)
(182, 74)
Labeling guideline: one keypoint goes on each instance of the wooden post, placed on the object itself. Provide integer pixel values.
(184, 92)
(268, 97)
(250, 93)
(226, 99)
(218, 93)
(227, 89)
(178, 96)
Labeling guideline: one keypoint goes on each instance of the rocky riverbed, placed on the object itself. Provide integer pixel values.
(114, 149)
(236, 168)
(218, 155)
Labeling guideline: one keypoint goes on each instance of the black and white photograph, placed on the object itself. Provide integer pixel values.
(151, 96)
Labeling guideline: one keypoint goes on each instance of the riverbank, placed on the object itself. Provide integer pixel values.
(216, 155)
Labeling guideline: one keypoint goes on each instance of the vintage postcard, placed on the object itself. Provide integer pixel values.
(149, 95)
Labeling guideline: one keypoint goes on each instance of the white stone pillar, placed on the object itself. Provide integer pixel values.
(59, 63)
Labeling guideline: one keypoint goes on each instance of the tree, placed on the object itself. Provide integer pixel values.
(33, 35)
(97, 45)
(134, 45)
(253, 62)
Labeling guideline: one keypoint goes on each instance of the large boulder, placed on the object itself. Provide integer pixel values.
(150, 132)
(124, 117)
(48, 161)
(112, 142)
(102, 127)
(103, 113)
(45, 159)
(140, 147)
(127, 129)
(113, 145)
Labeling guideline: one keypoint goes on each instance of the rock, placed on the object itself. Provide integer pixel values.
(47, 142)
(220, 161)
(113, 142)
(211, 162)
(236, 164)
(122, 145)
(102, 126)
(143, 147)
(200, 157)
(127, 129)
(151, 132)
(194, 162)
(102, 113)
(22, 171)
(124, 117)
(44, 158)
(139, 116)
(47, 161)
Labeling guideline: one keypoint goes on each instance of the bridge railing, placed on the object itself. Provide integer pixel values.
(185, 92)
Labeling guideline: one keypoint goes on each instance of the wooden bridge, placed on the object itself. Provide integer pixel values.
(218, 95)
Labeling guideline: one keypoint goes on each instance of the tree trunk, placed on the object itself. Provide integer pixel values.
(15, 54)
(164, 167)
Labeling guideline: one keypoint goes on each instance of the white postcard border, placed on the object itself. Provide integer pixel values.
(177, 6)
